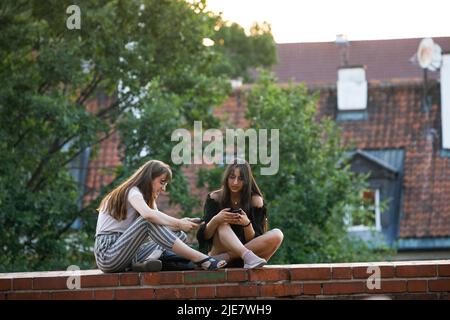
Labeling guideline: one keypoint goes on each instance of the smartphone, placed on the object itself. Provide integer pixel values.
(197, 220)
(236, 210)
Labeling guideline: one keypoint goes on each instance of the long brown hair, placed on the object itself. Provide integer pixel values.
(115, 202)
(250, 187)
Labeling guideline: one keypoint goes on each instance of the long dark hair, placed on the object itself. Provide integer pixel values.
(250, 187)
(115, 202)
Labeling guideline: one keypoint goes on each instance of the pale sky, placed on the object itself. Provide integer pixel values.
(322, 20)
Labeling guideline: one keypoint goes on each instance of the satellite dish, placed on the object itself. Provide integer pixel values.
(429, 54)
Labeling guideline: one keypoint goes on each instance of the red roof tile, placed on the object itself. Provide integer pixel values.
(318, 62)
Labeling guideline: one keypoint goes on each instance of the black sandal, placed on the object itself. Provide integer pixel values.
(213, 263)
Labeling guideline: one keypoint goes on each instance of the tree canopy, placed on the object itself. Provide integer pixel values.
(147, 56)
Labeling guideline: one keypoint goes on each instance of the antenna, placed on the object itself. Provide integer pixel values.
(429, 56)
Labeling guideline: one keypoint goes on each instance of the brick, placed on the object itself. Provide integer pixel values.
(362, 272)
(439, 285)
(135, 294)
(280, 290)
(29, 295)
(23, 284)
(236, 275)
(129, 279)
(416, 271)
(174, 293)
(268, 274)
(236, 291)
(417, 286)
(312, 288)
(444, 270)
(191, 277)
(205, 292)
(388, 286)
(50, 283)
(104, 294)
(107, 280)
(167, 277)
(343, 287)
(311, 274)
(5, 284)
(73, 295)
(341, 273)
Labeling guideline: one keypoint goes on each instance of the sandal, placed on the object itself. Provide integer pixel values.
(213, 263)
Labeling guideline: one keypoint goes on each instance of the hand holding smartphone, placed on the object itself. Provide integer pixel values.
(196, 220)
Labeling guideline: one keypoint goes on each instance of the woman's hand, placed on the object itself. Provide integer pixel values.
(226, 216)
(242, 218)
(186, 225)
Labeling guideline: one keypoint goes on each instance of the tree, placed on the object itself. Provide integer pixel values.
(313, 190)
(147, 56)
(242, 53)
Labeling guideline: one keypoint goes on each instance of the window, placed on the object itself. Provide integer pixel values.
(351, 89)
(367, 221)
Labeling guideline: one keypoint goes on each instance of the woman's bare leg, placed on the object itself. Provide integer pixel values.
(266, 244)
(225, 240)
(263, 246)
(182, 249)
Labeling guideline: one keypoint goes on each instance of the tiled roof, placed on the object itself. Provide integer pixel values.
(396, 120)
(318, 62)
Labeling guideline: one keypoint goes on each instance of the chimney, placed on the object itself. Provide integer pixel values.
(445, 100)
(352, 88)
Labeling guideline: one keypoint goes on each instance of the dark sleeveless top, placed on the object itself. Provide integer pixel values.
(257, 217)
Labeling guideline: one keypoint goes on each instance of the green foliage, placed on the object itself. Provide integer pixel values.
(314, 188)
(240, 53)
(50, 76)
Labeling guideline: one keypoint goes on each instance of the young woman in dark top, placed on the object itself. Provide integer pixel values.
(243, 233)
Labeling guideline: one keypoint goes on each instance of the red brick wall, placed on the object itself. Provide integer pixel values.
(398, 280)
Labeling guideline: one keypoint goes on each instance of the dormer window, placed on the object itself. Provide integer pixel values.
(372, 219)
(352, 89)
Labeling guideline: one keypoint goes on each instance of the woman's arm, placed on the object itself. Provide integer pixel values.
(249, 232)
(256, 227)
(211, 226)
(207, 230)
(158, 217)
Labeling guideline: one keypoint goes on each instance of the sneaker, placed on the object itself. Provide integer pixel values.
(255, 264)
(147, 266)
(253, 261)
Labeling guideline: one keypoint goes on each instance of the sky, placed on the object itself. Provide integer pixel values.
(322, 20)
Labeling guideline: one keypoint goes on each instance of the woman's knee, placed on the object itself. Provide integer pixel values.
(183, 236)
(223, 227)
(276, 236)
(163, 235)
